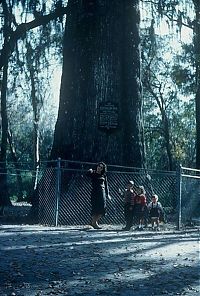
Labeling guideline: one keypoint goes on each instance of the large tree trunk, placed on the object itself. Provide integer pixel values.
(100, 100)
(197, 97)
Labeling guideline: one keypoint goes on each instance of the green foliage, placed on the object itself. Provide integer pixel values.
(183, 70)
(27, 180)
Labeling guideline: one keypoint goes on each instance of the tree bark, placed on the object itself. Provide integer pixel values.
(101, 64)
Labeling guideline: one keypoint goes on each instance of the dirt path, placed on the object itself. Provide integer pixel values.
(38, 260)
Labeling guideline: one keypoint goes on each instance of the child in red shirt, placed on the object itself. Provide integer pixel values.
(140, 205)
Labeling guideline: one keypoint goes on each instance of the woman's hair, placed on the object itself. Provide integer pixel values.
(104, 167)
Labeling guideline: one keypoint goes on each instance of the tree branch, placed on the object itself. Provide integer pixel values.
(21, 30)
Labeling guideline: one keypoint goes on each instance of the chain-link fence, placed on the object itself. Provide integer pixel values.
(63, 192)
(189, 197)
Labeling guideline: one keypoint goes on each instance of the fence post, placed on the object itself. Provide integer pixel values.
(58, 183)
(179, 190)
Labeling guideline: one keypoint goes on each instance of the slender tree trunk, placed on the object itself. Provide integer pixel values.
(166, 130)
(36, 145)
(101, 98)
(36, 116)
(197, 97)
(17, 168)
(166, 135)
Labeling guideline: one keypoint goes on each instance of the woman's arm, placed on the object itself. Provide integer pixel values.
(89, 172)
(107, 188)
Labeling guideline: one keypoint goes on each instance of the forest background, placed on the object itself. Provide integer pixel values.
(31, 65)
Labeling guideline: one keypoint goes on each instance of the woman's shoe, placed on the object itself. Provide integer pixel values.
(95, 226)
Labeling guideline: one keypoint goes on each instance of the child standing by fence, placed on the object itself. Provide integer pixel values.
(155, 211)
(140, 207)
(128, 196)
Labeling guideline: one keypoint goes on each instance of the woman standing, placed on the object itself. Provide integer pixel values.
(99, 192)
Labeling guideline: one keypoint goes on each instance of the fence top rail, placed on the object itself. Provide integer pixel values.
(115, 167)
(123, 172)
(190, 169)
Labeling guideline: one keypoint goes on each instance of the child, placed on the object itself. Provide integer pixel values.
(128, 196)
(155, 210)
(140, 205)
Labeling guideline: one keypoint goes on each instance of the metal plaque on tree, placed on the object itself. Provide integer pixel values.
(108, 115)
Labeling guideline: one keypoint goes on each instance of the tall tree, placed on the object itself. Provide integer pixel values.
(4, 198)
(100, 113)
(157, 87)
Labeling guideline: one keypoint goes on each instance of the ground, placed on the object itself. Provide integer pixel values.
(77, 260)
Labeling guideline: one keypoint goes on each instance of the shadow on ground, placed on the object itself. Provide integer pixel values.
(38, 260)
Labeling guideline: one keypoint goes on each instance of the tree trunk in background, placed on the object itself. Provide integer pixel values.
(36, 114)
(197, 59)
(36, 139)
(4, 197)
(100, 115)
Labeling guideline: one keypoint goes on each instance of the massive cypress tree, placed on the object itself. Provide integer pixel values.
(99, 114)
